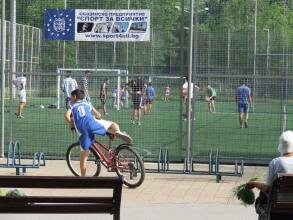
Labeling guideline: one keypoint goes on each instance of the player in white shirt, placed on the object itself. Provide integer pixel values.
(20, 84)
(69, 84)
(185, 91)
(184, 94)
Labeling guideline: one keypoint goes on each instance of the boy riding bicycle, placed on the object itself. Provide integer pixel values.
(86, 120)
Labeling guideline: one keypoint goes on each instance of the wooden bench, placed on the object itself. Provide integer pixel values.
(62, 204)
(280, 205)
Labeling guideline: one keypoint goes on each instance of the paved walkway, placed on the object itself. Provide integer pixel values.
(161, 196)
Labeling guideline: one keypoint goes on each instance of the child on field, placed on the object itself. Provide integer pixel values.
(86, 120)
(167, 93)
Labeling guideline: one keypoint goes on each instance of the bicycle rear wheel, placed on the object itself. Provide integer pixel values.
(93, 167)
(129, 165)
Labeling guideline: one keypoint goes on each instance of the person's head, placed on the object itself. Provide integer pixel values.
(133, 82)
(140, 81)
(286, 142)
(68, 74)
(87, 72)
(209, 86)
(76, 95)
(107, 81)
(241, 82)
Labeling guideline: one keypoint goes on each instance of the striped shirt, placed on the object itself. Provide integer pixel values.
(84, 83)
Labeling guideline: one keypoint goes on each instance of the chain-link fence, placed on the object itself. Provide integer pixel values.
(227, 48)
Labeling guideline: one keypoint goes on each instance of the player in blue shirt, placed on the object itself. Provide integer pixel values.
(243, 99)
(150, 94)
(86, 120)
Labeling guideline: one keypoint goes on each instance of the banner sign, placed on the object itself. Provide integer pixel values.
(97, 25)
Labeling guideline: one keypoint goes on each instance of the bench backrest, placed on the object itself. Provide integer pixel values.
(281, 198)
(62, 204)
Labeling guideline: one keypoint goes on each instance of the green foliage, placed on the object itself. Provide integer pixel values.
(221, 16)
(2, 193)
(245, 194)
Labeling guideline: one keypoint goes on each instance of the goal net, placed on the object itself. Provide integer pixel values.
(118, 78)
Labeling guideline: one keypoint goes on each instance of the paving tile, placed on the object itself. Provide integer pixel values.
(168, 191)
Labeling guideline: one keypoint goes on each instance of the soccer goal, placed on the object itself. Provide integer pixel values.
(117, 78)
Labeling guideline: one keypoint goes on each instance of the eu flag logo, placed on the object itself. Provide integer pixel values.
(59, 24)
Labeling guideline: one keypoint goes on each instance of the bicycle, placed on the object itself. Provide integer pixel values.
(122, 159)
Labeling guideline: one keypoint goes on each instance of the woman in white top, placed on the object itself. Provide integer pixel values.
(281, 164)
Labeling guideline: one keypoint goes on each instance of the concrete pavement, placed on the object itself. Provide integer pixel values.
(161, 196)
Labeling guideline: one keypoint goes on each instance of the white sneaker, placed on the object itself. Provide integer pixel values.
(19, 116)
(122, 135)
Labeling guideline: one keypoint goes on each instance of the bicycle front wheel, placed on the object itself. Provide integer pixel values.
(129, 165)
(93, 164)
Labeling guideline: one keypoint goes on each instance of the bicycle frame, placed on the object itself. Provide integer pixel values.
(108, 162)
(123, 160)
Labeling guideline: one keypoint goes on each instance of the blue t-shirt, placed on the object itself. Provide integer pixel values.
(150, 92)
(86, 124)
(82, 115)
(243, 93)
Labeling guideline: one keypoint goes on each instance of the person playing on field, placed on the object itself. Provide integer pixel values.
(86, 120)
(143, 105)
(281, 164)
(167, 93)
(114, 97)
(211, 97)
(84, 83)
(150, 97)
(104, 95)
(69, 84)
(184, 95)
(20, 83)
(123, 96)
(184, 91)
(136, 93)
(243, 99)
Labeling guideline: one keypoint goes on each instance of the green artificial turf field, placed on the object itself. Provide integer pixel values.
(44, 129)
